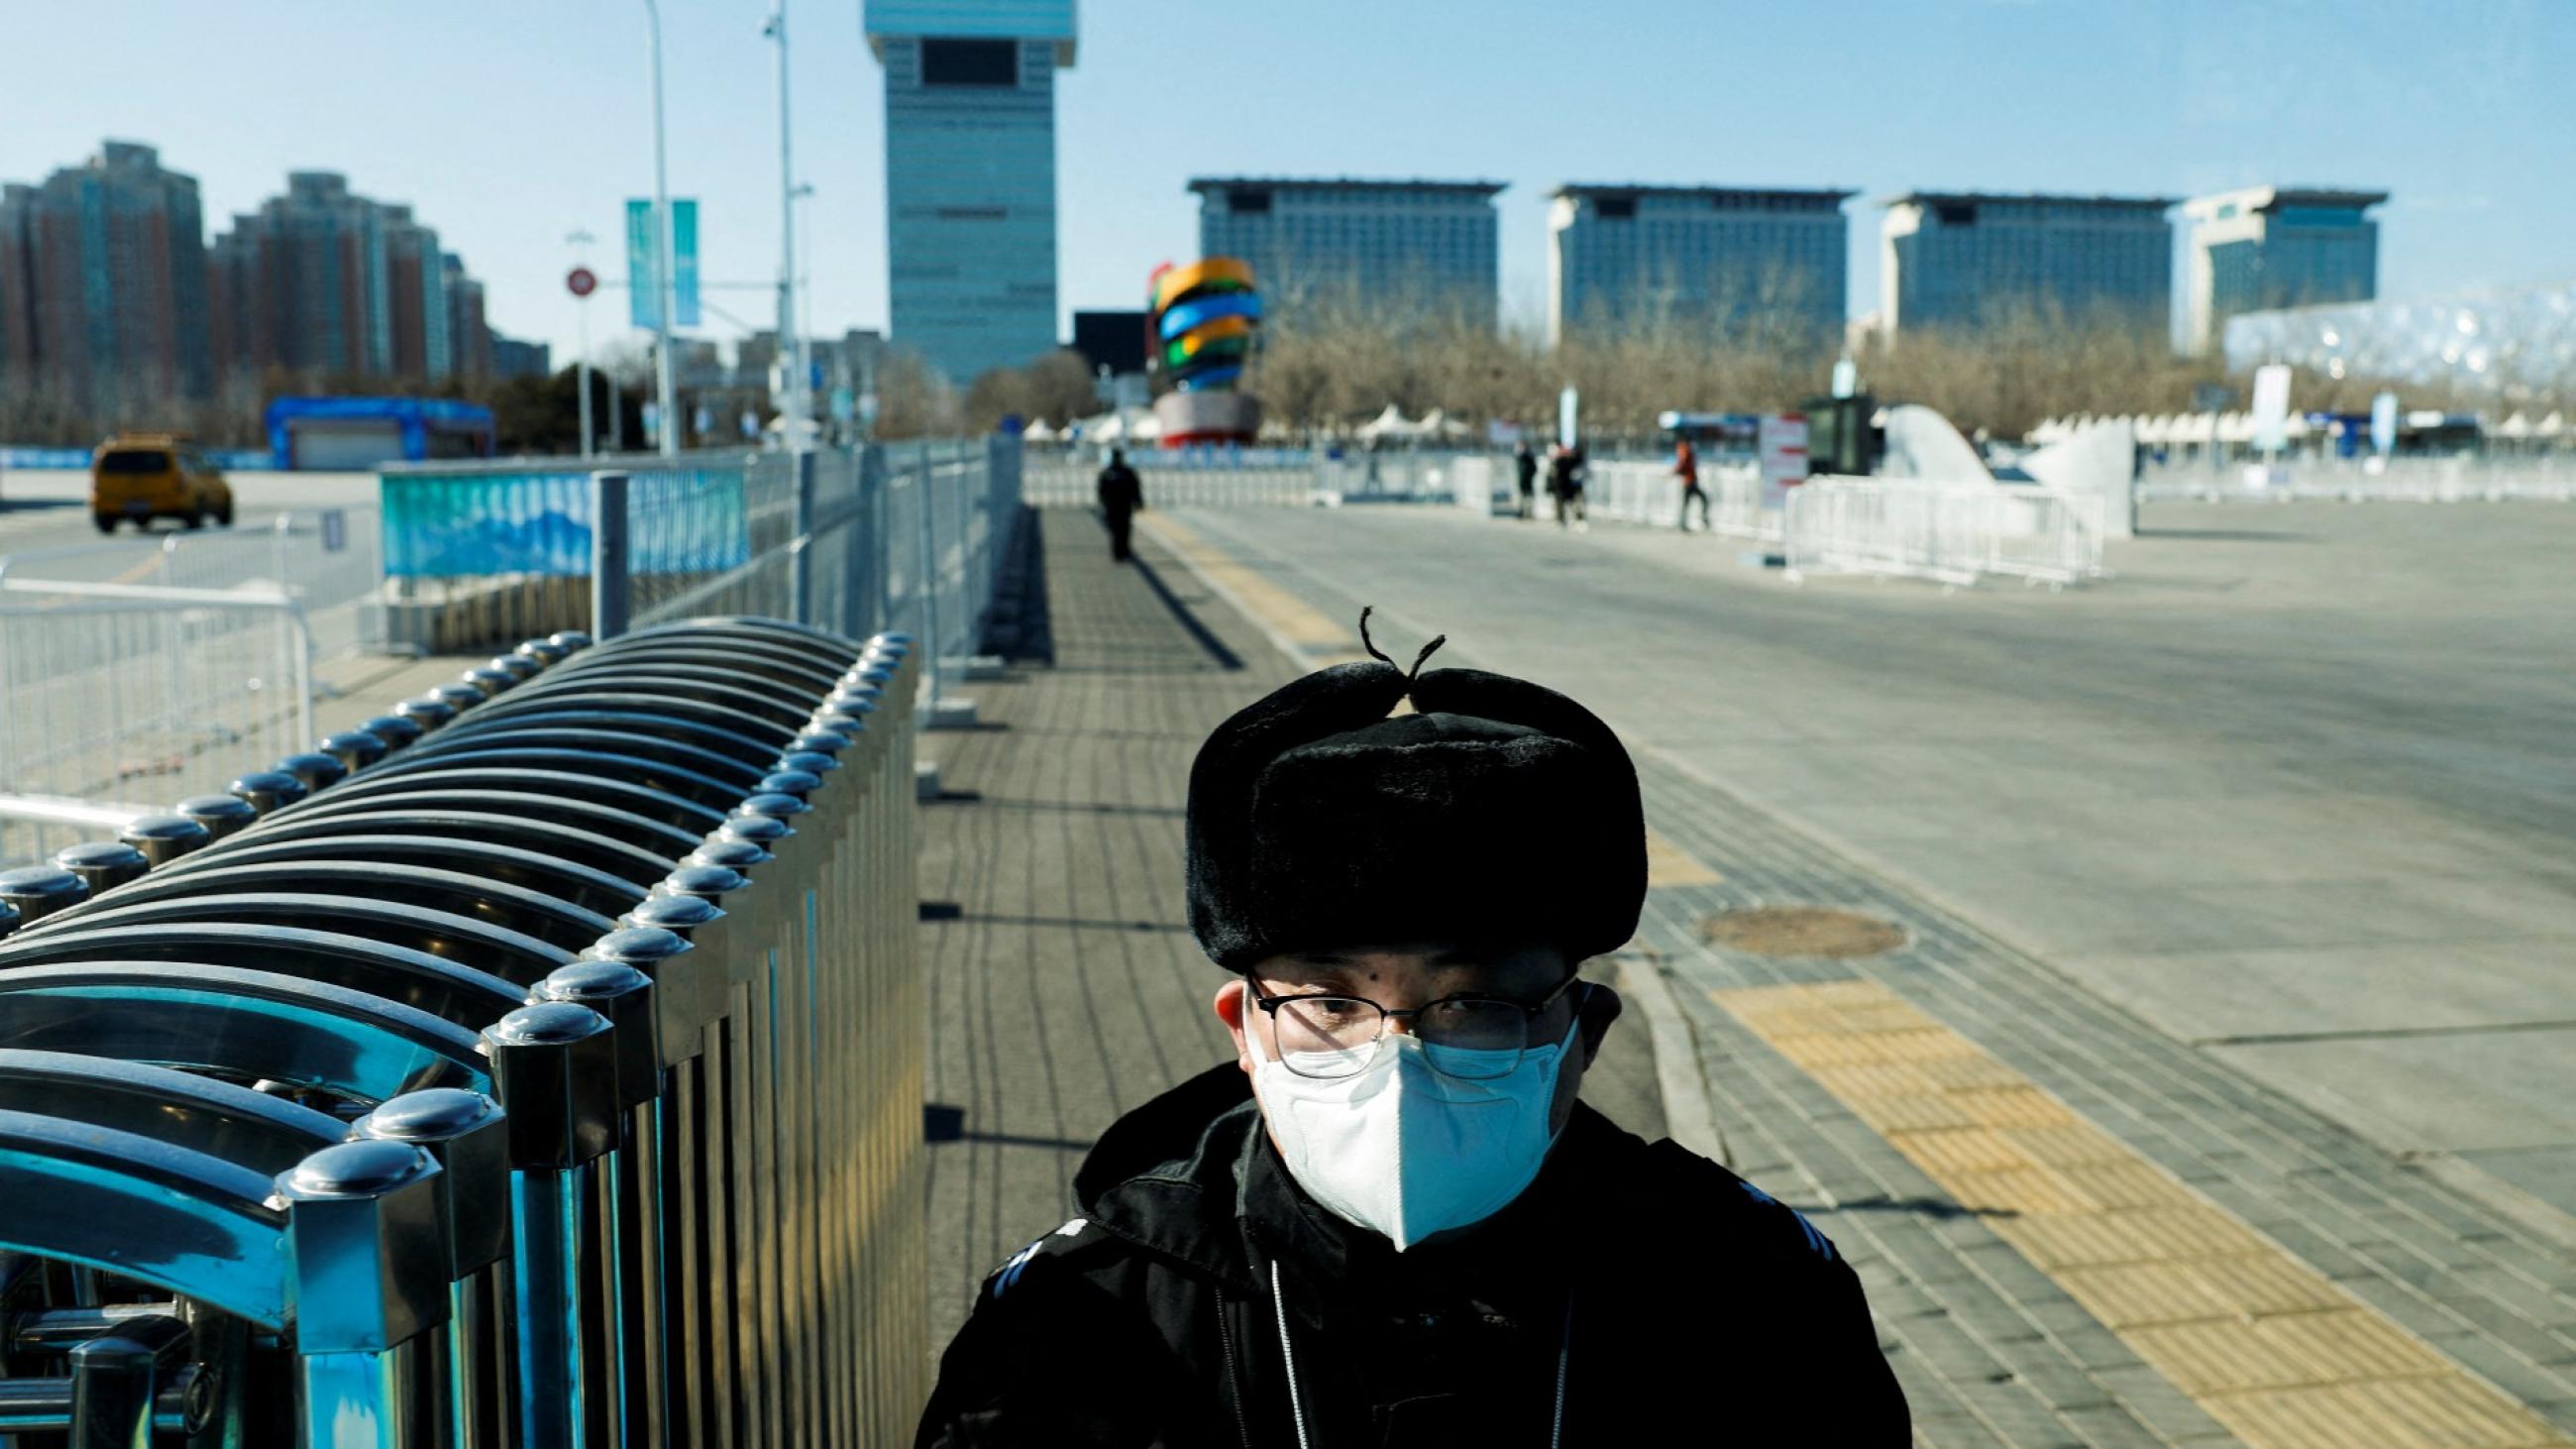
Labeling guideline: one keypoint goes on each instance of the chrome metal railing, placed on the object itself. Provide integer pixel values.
(538, 1065)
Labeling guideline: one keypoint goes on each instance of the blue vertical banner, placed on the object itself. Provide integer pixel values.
(684, 273)
(643, 244)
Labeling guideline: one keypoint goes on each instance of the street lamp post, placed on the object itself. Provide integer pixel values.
(789, 411)
(662, 259)
(581, 309)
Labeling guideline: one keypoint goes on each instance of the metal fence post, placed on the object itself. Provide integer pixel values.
(875, 544)
(927, 585)
(609, 594)
(800, 549)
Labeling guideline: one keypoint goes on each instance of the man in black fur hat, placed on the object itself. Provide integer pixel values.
(1389, 1221)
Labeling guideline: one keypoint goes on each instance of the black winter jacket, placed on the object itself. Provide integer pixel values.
(1653, 1294)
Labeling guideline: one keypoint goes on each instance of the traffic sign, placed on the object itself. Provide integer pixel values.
(581, 281)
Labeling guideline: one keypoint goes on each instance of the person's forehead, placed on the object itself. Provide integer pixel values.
(1454, 966)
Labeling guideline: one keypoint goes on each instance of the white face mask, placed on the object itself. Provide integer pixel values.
(1404, 1151)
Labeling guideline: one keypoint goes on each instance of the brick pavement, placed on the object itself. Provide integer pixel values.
(1064, 987)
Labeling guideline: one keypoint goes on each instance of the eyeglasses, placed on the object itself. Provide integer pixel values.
(1467, 1036)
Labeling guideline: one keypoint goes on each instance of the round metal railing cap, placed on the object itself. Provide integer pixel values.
(220, 814)
(732, 854)
(364, 1168)
(891, 636)
(702, 880)
(488, 680)
(315, 770)
(820, 741)
(521, 667)
(876, 674)
(265, 790)
(675, 913)
(459, 696)
(174, 826)
(547, 1023)
(354, 749)
(569, 639)
(811, 762)
(101, 855)
(758, 829)
(427, 711)
(636, 943)
(43, 887)
(432, 1114)
(799, 783)
(848, 727)
(545, 650)
(775, 804)
(393, 729)
(594, 980)
(853, 703)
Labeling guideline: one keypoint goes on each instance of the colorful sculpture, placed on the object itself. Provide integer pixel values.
(1202, 323)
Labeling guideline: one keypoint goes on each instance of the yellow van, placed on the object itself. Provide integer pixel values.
(144, 476)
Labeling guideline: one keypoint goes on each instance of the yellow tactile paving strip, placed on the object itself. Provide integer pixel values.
(2267, 1345)
(1318, 639)
(1668, 864)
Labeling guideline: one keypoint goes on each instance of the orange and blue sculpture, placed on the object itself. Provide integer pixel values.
(1202, 323)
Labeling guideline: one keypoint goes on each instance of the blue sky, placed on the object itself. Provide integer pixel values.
(508, 123)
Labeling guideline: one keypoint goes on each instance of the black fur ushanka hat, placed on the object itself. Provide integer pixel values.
(1500, 811)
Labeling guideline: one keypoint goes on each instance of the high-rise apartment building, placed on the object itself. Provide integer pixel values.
(970, 175)
(1961, 259)
(1344, 241)
(103, 282)
(2268, 247)
(1698, 256)
(324, 280)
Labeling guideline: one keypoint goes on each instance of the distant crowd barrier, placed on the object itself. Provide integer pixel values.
(539, 1065)
(1650, 493)
(2540, 478)
(1948, 534)
(1272, 479)
(903, 535)
(169, 658)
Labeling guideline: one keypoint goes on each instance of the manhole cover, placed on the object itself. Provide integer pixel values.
(1801, 931)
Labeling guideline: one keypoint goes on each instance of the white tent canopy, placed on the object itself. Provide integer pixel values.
(1391, 423)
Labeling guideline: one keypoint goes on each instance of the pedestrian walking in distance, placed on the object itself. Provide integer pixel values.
(1686, 468)
(1565, 485)
(1122, 496)
(1525, 467)
(1387, 1219)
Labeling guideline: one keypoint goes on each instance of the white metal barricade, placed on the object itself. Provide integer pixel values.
(1949, 534)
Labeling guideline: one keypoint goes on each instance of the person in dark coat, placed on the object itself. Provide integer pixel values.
(1122, 495)
(1525, 466)
(1389, 1220)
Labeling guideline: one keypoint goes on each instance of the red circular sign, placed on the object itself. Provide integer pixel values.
(581, 281)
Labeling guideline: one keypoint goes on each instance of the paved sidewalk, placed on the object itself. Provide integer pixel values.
(2075, 1228)
(1064, 986)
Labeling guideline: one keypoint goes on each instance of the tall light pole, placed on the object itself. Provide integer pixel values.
(662, 259)
(805, 411)
(790, 373)
(581, 309)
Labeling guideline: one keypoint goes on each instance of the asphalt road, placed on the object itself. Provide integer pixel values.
(49, 509)
(2296, 786)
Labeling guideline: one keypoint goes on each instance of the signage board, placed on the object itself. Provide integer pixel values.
(1781, 439)
(2383, 423)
